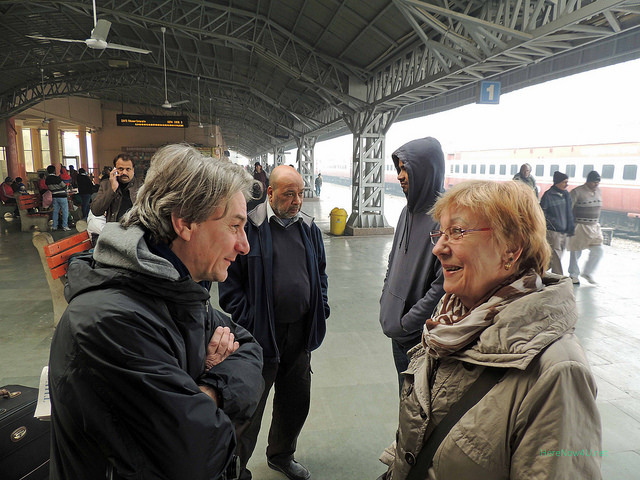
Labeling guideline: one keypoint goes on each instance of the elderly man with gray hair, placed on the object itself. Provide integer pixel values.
(146, 379)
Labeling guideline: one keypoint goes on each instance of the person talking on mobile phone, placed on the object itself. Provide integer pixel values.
(118, 192)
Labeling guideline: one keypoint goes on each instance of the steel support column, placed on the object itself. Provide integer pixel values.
(278, 156)
(367, 191)
(306, 163)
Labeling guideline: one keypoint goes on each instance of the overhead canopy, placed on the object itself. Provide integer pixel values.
(273, 70)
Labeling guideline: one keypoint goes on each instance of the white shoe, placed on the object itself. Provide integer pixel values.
(575, 280)
(66, 229)
(589, 279)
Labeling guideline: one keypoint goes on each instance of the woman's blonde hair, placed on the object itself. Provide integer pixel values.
(512, 211)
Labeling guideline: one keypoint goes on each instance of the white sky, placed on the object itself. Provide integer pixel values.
(599, 106)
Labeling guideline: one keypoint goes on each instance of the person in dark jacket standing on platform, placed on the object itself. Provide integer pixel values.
(279, 294)
(318, 184)
(85, 190)
(556, 205)
(146, 378)
(118, 191)
(60, 201)
(413, 284)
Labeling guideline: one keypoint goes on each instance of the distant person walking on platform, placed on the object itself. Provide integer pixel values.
(118, 191)
(556, 205)
(587, 204)
(60, 201)
(318, 184)
(413, 283)
(524, 175)
(279, 293)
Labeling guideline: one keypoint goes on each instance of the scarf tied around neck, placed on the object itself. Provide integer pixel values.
(455, 326)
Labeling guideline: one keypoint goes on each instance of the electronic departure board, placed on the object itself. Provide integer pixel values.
(126, 120)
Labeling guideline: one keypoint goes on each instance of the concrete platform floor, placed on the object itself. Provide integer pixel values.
(354, 399)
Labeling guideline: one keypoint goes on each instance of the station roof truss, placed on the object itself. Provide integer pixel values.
(271, 71)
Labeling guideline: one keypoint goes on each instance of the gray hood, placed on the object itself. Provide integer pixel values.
(423, 160)
(126, 248)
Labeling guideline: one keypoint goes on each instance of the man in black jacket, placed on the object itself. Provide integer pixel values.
(85, 190)
(279, 293)
(146, 379)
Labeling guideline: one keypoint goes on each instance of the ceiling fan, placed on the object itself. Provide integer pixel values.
(166, 103)
(98, 38)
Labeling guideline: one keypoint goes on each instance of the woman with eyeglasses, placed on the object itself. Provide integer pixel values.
(533, 413)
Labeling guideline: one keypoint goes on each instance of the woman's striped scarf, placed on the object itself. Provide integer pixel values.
(455, 326)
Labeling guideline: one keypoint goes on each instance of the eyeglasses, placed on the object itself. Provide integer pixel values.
(453, 233)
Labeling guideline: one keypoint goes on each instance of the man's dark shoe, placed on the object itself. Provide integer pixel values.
(292, 469)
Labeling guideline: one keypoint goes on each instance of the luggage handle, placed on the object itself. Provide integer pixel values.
(4, 393)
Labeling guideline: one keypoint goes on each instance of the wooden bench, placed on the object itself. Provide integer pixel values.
(28, 220)
(55, 261)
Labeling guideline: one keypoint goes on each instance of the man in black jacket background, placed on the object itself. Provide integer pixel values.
(146, 379)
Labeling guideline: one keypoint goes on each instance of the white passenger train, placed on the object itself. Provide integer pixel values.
(617, 163)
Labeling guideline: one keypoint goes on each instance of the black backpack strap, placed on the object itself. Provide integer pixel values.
(485, 382)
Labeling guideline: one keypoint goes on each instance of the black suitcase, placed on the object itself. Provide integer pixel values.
(24, 440)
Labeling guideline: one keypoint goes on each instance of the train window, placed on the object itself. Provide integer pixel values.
(553, 169)
(492, 169)
(586, 169)
(539, 170)
(503, 169)
(483, 169)
(514, 169)
(465, 168)
(571, 171)
(607, 171)
(630, 172)
(473, 168)
(457, 168)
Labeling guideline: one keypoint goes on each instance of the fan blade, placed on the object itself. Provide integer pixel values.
(101, 30)
(181, 102)
(115, 46)
(68, 40)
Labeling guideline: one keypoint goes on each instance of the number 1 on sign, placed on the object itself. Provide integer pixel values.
(491, 91)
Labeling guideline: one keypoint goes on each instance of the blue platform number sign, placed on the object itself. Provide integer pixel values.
(489, 92)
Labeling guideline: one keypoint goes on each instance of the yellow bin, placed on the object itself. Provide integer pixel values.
(338, 221)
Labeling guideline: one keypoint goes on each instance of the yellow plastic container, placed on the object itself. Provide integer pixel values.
(338, 221)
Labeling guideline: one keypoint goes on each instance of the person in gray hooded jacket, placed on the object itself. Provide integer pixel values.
(413, 283)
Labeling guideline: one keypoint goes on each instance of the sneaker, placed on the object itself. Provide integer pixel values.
(66, 229)
(589, 279)
(575, 280)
